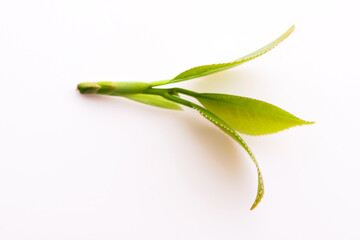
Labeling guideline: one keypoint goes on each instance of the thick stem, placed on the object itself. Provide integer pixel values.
(113, 88)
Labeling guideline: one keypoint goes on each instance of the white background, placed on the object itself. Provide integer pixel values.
(83, 167)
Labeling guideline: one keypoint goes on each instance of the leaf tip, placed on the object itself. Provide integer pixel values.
(257, 201)
(253, 206)
(303, 122)
(289, 31)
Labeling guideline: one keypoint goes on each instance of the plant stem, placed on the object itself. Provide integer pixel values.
(166, 93)
(184, 91)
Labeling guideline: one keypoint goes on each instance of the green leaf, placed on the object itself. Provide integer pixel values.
(153, 100)
(228, 130)
(249, 116)
(214, 68)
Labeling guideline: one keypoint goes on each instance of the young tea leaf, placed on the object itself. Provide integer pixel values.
(228, 130)
(249, 116)
(229, 113)
(214, 68)
(154, 100)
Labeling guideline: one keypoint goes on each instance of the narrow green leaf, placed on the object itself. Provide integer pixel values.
(153, 100)
(228, 130)
(249, 116)
(214, 68)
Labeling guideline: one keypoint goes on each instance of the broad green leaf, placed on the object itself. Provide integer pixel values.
(214, 68)
(228, 130)
(154, 100)
(249, 116)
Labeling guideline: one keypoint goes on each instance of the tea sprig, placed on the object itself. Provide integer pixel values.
(230, 113)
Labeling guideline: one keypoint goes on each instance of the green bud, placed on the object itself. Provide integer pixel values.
(88, 87)
(130, 88)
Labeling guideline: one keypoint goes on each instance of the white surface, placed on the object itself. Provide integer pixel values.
(77, 167)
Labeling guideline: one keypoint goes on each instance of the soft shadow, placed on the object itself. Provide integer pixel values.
(224, 152)
(101, 99)
(227, 157)
(119, 104)
(231, 80)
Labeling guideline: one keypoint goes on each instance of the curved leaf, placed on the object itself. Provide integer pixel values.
(249, 116)
(214, 68)
(228, 130)
(153, 100)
